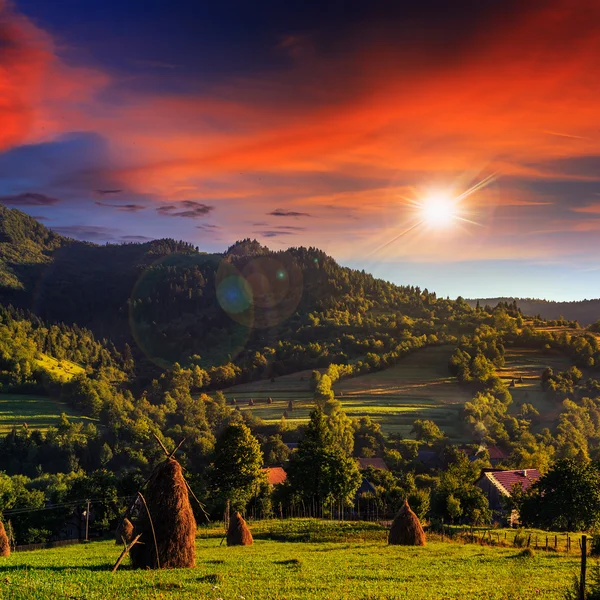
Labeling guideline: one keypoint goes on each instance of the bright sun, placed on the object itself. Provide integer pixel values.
(438, 210)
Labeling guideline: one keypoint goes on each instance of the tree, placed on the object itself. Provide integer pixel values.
(427, 431)
(566, 498)
(236, 472)
(320, 472)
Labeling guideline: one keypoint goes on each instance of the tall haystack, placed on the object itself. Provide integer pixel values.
(124, 533)
(238, 533)
(406, 529)
(4, 543)
(167, 501)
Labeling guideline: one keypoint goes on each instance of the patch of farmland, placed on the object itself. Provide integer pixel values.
(419, 387)
(525, 367)
(39, 412)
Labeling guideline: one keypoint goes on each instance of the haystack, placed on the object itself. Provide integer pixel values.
(168, 503)
(4, 543)
(124, 533)
(406, 529)
(238, 533)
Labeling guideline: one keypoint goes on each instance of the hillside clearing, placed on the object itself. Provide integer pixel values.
(63, 369)
(419, 387)
(39, 412)
(529, 364)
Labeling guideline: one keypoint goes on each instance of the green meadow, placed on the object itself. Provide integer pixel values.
(63, 369)
(353, 562)
(527, 365)
(39, 412)
(419, 387)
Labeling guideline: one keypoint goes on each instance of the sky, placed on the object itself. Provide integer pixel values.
(450, 145)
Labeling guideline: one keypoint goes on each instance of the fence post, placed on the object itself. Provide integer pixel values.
(583, 567)
(87, 522)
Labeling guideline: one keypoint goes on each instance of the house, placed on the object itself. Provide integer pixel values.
(430, 458)
(497, 455)
(275, 475)
(375, 463)
(497, 484)
(366, 487)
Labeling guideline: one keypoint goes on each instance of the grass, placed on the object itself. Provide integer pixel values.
(349, 568)
(529, 364)
(63, 369)
(39, 412)
(419, 387)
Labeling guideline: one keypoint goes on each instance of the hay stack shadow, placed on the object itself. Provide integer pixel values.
(124, 533)
(406, 529)
(238, 533)
(4, 543)
(166, 522)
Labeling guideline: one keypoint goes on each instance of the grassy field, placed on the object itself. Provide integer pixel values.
(528, 364)
(354, 569)
(63, 369)
(419, 387)
(39, 412)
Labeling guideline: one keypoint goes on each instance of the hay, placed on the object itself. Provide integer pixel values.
(406, 529)
(167, 500)
(238, 533)
(124, 533)
(4, 544)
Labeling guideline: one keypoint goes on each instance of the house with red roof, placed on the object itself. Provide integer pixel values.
(376, 463)
(498, 484)
(275, 475)
(497, 454)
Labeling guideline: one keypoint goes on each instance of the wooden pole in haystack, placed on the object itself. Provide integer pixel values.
(166, 521)
(406, 529)
(4, 543)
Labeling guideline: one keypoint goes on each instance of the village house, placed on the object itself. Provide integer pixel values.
(499, 484)
(376, 463)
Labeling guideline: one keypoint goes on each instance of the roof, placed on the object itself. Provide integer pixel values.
(505, 480)
(275, 475)
(496, 453)
(366, 487)
(376, 463)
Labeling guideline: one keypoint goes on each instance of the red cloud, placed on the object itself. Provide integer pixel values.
(36, 88)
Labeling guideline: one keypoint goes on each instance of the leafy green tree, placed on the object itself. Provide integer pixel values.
(566, 498)
(427, 431)
(319, 471)
(236, 472)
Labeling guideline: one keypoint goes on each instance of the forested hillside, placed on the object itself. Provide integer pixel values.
(171, 302)
(585, 312)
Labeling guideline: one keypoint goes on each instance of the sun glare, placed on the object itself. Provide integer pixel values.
(438, 210)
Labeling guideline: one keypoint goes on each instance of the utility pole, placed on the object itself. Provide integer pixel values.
(87, 522)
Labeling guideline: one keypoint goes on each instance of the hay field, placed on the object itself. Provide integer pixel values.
(419, 387)
(351, 569)
(39, 412)
(529, 364)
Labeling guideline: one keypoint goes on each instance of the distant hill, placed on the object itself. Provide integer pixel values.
(584, 311)
(173, 301)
